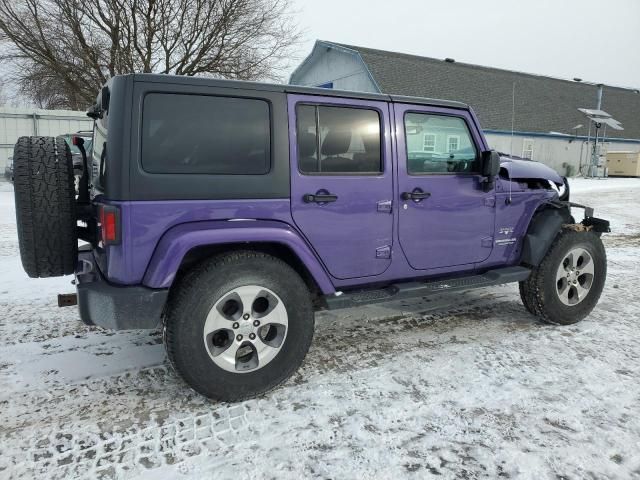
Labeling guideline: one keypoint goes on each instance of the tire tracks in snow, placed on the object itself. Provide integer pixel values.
(339, 349)
(147, 435)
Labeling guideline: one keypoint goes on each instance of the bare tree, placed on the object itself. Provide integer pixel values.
(3, 95)
(62, 51)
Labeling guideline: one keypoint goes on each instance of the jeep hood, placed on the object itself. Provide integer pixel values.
(519, 169)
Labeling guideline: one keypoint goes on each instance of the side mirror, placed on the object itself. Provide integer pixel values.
(490, 163)
(489, 168)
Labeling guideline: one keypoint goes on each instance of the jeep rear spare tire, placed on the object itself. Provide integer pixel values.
(45, 206)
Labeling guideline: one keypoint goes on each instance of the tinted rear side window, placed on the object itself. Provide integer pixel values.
(348, 139)
(205, 135)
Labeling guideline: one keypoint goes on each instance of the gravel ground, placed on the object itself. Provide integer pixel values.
(411, 389)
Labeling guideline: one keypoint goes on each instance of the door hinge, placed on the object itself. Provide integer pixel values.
(487, 242)
(490, 202)
(384, 206)
(383, 252)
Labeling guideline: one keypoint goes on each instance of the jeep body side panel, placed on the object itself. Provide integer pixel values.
(515, 206)
(144, 223)
(175, 244)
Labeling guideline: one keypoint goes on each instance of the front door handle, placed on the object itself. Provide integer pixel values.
(321, 196)
(417, 194)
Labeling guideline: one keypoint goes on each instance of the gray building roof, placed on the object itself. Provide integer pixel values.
(542, 104)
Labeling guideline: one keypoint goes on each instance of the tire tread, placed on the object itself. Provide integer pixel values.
(533, 290)
(45, 206)
(179, 302)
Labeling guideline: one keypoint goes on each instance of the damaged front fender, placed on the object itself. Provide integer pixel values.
(549, 221)
(529, 170)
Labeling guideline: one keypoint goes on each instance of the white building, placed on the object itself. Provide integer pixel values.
(544, 114)
(18, 122)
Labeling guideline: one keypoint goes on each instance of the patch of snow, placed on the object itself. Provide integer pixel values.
(464, 385)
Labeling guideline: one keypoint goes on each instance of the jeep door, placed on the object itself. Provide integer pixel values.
(341, 181)
(445, 217)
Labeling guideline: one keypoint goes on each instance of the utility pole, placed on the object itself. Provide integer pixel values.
(594, 153)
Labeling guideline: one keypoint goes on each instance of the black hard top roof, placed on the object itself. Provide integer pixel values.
(272, 87)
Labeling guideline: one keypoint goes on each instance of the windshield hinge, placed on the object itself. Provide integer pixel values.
(384, 206)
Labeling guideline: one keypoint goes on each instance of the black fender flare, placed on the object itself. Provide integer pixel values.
(542, 231)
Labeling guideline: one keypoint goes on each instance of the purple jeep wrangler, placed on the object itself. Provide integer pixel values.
(228, 212)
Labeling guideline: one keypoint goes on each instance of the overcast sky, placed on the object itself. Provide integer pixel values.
(596, 40)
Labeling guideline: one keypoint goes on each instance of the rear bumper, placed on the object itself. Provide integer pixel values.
(115, 307)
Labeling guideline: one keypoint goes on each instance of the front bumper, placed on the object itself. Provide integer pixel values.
(115, 307)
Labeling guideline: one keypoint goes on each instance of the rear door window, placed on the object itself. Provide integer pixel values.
(338, 140)
(205, 135)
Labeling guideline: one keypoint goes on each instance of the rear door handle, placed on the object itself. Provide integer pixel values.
(417, 194)
(319, 197)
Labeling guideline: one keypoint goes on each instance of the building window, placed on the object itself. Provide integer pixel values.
(527, 148)
(453, 143)
(439, 144)
(429, 143)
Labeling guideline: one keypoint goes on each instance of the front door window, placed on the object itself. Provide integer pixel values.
(447, 145)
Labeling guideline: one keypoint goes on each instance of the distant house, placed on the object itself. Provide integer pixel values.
(543, 116)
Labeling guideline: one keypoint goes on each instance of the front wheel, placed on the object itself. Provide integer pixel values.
(566, 286)
(238, 325)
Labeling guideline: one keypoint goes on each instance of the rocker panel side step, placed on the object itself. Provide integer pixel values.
(407, 290)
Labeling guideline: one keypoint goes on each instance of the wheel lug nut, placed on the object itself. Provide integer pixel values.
(236, 325)
(252, 336)
(239, 338)
(256, 323)
(246, 316)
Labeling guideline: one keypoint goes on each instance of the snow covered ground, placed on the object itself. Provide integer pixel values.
(480, 389)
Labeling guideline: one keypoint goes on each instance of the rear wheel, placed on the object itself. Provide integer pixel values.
(238, 325)
(45, 206)
(567, 285)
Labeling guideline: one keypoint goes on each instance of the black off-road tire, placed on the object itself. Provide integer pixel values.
(45, 206)
(195, 295)
(539, 294)
(526, 298)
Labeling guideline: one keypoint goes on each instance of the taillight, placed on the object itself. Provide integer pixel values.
(109, 224)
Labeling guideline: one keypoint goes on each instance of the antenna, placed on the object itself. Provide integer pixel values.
(513, 114)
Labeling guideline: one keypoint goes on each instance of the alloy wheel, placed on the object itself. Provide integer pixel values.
(246, 329)
(575, 276)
